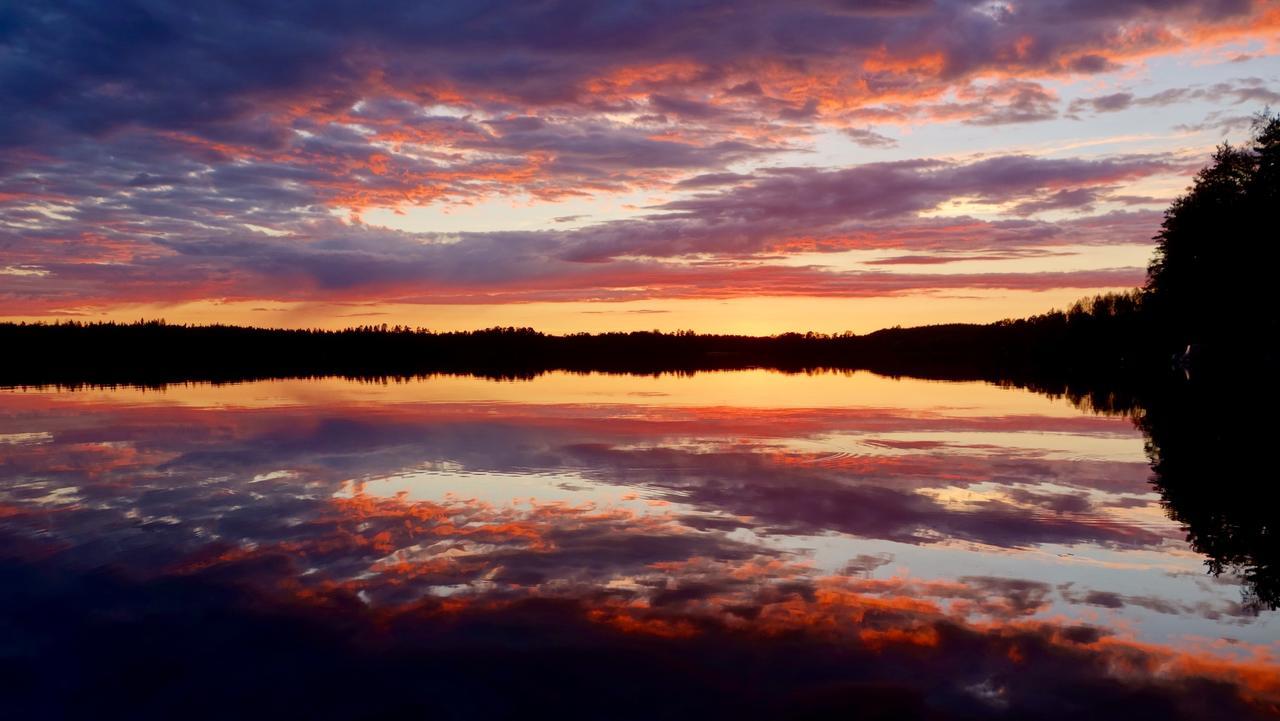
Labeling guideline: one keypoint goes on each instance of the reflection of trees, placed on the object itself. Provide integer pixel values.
(1208, 443)
(1207, 440)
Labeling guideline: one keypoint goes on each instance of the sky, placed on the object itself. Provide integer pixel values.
(720, 166)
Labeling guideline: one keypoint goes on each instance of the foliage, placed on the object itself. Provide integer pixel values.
(1209, 282)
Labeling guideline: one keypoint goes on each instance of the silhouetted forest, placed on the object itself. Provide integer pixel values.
(154, 352)
(1210, 284)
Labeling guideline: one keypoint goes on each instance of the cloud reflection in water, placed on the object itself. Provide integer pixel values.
(967, 556)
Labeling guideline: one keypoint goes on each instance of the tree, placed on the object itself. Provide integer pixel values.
(1210, 281)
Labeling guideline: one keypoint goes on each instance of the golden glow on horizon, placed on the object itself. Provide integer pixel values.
(746, 315)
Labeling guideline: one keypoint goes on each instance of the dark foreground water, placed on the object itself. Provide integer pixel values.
(727, 545)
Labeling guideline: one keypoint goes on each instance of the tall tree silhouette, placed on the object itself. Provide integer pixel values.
(1211, 281)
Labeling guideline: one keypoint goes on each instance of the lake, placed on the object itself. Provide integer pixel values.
(725, 544)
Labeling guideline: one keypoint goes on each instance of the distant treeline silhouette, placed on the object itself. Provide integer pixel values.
(155, 352)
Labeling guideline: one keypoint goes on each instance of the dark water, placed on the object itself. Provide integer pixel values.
(728, 545)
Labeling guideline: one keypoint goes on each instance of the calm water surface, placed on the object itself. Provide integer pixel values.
(727, 544)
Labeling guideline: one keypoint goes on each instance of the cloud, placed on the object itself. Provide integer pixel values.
(1013, 103)
(823, 203)
(253, 231)
(1079, 199)
(326, 54)
(83, 70)
(1106, 103)
(1156, 604)
(144, 130)
(1220, 121)
(868, 138)
(1241, 90)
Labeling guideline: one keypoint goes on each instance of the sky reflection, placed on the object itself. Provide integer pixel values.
(962, 548)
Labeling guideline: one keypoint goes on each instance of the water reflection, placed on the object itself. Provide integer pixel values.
(743, 543)
(1208, 449)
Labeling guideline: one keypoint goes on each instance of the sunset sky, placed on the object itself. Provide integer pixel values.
(737, 166)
